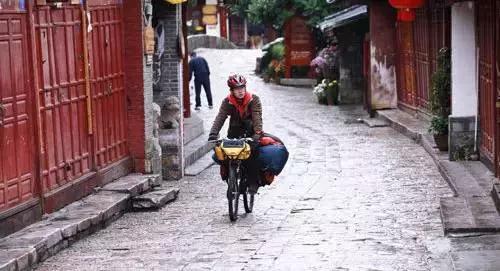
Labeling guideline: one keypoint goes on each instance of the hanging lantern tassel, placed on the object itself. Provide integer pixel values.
(406, 15)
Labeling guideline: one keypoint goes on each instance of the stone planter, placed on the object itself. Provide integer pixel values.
(441, 142)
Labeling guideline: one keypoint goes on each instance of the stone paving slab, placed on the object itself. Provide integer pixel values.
(495, 194)
(35, 243)
(470, 180)
(133, 184)
(483, 260)
(477, 214)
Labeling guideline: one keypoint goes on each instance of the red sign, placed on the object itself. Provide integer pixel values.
(299, 44)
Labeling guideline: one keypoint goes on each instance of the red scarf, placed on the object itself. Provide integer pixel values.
(241, 105)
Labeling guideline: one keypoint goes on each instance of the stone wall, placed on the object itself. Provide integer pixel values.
(138, 77)
(168, 88)
(462, 138)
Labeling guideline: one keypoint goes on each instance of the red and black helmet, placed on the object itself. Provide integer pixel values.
(236, 80)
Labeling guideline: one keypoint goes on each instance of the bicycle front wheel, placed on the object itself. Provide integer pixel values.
(233, 193)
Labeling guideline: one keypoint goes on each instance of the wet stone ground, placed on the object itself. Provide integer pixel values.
(350, 198)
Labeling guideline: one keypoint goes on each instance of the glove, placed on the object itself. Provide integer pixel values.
(213, 137)
(256, 137)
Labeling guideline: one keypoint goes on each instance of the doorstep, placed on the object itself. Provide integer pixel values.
(472, 208)
(22, 250)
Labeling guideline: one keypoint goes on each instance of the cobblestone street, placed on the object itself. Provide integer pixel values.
(350, 198)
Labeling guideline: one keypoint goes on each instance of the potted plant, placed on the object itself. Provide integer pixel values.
(320, 92)
(439, 130)
(440, 99)
(332, 92)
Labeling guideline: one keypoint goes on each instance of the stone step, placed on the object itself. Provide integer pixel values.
(154, 199)
(469, 215)
(196, 149)
(495, 194)
(375, 122)
(298, 82)
(22, 250)
(193, 128)
(200, 165)
(134, 184)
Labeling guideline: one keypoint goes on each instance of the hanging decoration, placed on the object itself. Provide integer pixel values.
(406, 8)
(175, 2)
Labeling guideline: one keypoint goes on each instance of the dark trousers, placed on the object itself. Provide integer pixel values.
(198, 82)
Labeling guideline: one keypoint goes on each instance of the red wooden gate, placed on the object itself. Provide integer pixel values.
(17, 165)
(485, 34)
(66, 144)
(107, 81)
(497, 83)
(406, 68)
(422, 67)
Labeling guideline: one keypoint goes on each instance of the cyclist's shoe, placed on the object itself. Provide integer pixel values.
(224, 172)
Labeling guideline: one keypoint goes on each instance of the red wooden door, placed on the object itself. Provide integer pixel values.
(17, 165)
(440, 30)
(497, 83)
(237, 30)
(107, 81)
(406, 65)
(485, 39)
(422, 65)
(65, 141)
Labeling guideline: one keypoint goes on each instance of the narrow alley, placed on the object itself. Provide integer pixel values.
(350, 198)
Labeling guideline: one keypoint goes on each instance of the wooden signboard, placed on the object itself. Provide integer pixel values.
(299, 44)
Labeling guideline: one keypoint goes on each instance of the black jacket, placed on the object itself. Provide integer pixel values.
(199, 66)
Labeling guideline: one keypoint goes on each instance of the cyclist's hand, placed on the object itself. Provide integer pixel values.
(256, 138)
(213, 137)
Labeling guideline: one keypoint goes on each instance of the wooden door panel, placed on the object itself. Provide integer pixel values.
(406, 66)
(65, 139)
(485, 25)
(17, 166)
(107, 83)
(422, 63)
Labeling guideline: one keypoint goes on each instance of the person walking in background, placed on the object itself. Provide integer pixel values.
(199, 66)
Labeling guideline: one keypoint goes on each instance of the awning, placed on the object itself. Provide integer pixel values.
(344, 17)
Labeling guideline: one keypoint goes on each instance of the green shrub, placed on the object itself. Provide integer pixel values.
(278, 51)
(439, 125)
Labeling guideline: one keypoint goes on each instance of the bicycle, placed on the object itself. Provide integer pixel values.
(235, 152)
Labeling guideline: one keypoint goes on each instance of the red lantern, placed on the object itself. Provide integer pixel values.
(406, 15)
(406, 8)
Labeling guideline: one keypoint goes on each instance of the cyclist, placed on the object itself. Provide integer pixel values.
(245, 120)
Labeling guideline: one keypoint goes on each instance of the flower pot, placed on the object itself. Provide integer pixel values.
(322, 100)
(441, 142)
(332, 94)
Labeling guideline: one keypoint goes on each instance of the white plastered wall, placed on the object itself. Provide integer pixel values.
(463, 59)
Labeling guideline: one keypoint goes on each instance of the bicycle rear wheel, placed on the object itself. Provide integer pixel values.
(233, 193)
(248, 199)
